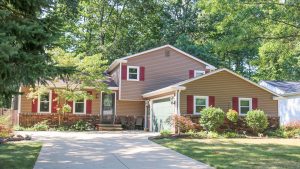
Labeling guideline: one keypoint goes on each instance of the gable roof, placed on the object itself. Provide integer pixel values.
(282, 87)
(177, 85)
(124, 59)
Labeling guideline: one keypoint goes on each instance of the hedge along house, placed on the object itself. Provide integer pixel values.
(221, 88)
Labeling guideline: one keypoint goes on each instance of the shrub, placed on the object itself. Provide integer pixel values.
(233, 135)
(41, 126)
(181, 123)
(81, 125)
(5, 126)
(206, 135)
(292, 125)
(280, 132)
(165, 133)
(257, 120)
(211, 118)
(232, 115)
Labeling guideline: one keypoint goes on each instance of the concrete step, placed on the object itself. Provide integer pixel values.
(109, 127)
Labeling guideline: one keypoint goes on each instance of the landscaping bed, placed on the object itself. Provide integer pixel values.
(19, 155)
(238, 153)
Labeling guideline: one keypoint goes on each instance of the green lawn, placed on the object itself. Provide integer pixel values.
(19, 155)
(239, 153)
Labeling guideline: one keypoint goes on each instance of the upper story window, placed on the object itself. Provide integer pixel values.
(245, 105)
(79, 107)
(133, 73)
(200, 102)
(44, 103)
(198, 73)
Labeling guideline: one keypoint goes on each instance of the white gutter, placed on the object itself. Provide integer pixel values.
(163, 90)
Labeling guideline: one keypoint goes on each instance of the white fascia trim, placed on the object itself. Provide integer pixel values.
(208, 66)
(113, 88)
(229, 71)
(115, 63)
(163, 90)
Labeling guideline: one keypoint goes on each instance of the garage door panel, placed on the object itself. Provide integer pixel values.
(162, 110)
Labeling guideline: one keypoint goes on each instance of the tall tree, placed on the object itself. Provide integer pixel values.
(27, 29)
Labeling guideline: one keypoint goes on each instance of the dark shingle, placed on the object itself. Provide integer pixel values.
(285, 86)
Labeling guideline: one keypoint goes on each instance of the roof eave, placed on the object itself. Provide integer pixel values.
(163, 90)
(115, 63)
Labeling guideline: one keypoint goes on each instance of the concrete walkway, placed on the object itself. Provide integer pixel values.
(111, 150)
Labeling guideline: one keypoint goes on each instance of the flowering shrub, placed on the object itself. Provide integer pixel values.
(232, 115)
(211, 118)
(292, 125)
(181, 123)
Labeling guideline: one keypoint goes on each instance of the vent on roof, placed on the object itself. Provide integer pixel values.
(167, 53)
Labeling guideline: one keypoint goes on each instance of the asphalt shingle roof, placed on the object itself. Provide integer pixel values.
(285, 86)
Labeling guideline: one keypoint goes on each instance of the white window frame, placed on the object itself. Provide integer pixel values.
(198, 71)
(138, 73)
(199, 97)
(250, 105)
(84, 107)
(50, 103)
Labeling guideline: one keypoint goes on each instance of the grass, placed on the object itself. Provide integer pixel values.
(19, 155)
(239, 153)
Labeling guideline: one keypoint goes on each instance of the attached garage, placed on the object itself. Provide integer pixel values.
(161, 111)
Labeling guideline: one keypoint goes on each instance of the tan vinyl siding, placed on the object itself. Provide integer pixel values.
(224, 86)
(160, 71)
(130, 108)
(26, 103)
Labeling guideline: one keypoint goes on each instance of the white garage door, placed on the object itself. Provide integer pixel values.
(162, 111)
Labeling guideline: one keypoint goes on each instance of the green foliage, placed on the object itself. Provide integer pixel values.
(5, 126)
(257, 120)
(232, 115)
(41, 126)
(165, 133)
(27, 29)
(233, 135)
(211, 118)
(81, 126)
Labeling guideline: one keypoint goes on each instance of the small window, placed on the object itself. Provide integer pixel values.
(133, 73)
(200, 102)
(198, 73)
(245, 105)
(79, 107)
(44, 103)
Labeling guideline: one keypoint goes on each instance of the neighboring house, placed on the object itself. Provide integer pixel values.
(158, 83)
(289, 103)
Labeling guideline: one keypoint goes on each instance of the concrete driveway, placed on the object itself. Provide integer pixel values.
(111, 150)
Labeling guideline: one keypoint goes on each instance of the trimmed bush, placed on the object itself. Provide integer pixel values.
(41, 126)
(232, 115)
(165, 133)
(211, 118)
(257, 120)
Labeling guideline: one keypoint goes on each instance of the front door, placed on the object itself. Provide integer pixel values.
(108, 108)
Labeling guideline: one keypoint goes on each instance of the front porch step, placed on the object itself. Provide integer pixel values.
(109, 127)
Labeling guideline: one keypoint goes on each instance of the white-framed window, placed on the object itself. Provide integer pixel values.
(79, 106)
(133, 73)
(198, 73)
(245, 105)
(200, 102)
(44, 103)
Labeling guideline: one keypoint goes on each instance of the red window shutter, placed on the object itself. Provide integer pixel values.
(142, 73)
(124, 72)
(211, 101)
(70, 103)
(54, 102)
(190, 104)
(89, 104)
(34, 105)
(235, 104)
(191, 73)
(254, 103)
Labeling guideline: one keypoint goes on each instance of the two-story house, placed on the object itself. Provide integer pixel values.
(157, 83)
